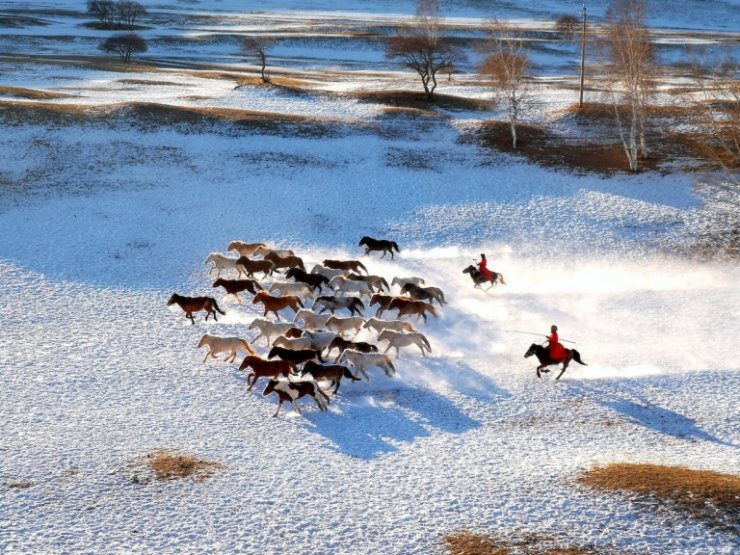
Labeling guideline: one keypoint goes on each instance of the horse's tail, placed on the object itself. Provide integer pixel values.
(215, 305)
(390, 365)
(426, 342)
(395, 246)
(246, 347)
(433, 311)
(577, 357)
(385, 284)
(300, 303)
(318, 356)
(501, 278)
(361, 265)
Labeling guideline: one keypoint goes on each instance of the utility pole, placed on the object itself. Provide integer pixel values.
(583, 53)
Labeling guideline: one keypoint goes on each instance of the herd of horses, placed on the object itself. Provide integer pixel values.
(295, 365)
(328, 306)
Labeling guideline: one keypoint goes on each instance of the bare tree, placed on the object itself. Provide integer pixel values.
(125, 45)
(258, 46)
(423, 49)
(507, 66)
(630, 71)
(104, 10)
(128, 11)
(567, 25)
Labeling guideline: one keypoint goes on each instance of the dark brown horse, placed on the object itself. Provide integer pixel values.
(273, 304)
(264, 368)
(254, 265)
(543, 355)
(317, 281)
(194, 304)
(290, 391)
(236, 286)
(384, 245)
(479, 279)
(289, 261)
(294, 357)
(406, 307)
(331, 372)
(346, 265)
(383, 302)
(332, 303)
(341, 344)
(419, 293)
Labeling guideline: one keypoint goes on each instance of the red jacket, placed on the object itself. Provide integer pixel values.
(483, 266)
(557, 351)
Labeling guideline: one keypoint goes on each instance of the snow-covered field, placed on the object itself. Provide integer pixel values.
(102, 220)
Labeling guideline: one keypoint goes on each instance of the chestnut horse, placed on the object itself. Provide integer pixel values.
(383, 302)
(262, 367)
(384, 245)
(244, 249)
(194, 304)
(236, 286)
(543, 355)
(289, 261)
(353, 265)
(409, 306)
(273, 304)
(290, 391)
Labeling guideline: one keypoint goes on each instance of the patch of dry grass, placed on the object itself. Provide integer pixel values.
(708, 495)
(417, 100)
(167, 466)
(32, 94)
(19, 484)
(465, 542)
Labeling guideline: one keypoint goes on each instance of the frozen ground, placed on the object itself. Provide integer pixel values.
(101, 222)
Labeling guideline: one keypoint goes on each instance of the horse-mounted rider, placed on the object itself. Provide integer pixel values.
(557, 351)
(483, 267)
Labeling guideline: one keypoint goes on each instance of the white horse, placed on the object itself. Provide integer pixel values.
(223, 262)
(293, 288)
(269, 329)
(397, 340)
(320, 340)
(401, 281)
(310, 319)
(343, 325)
(328, 273)
(396, 325)
(345, 285)
(217, 344)
(244, 249)
(363, 361)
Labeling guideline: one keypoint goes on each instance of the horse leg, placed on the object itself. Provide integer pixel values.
(190, 315)
(565, 365)
(280, 404)
(538, 372)
(208, 353)
(233, 356)
(251, 384)
(295, 407)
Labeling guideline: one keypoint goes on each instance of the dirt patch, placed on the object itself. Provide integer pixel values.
(418, 101)
(19, 484)
(167, 465)
(465, 542)
(32, 94)
(709, 496)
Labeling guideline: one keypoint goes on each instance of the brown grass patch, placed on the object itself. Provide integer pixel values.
(465, 542)
(167, 466)
(418, 101)
(704, 494)
(19, 484)
(32, 94)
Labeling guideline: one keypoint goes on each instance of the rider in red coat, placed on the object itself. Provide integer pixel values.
(557, 351)
(483, 267)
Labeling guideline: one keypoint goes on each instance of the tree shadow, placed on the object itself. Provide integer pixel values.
(640, 411)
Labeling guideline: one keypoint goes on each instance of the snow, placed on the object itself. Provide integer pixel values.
(101, 221)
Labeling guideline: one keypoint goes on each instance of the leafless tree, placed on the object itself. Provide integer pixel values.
(104, 10)
(629, 73)
(258, 46)
(507, 66)
(128, 11)
(125, 45)
(422, 49)
(567, 25)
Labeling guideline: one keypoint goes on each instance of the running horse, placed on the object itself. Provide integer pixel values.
(384, 245)
(543, 355)
(479, 279)
(194, 304)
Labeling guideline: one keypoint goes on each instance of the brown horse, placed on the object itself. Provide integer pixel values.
(384, 245)
(409, 306)
(289, 261)
(419, 293)
(383, 302)
(353, 265)
(273, 304)
(329, 372)
(252, 265)
(290, 391)
(543, 355)
(342, 344)
(194, 304)
(236, 286)
(262, 367)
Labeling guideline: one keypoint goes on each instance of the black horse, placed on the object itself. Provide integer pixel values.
(479, 279)
(316, 281)
(543, 355)
(384, 245)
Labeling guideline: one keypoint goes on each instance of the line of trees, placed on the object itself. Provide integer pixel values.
(116, 14)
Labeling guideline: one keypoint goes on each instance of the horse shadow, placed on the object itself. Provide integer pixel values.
(376, 422)
(640, 411)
